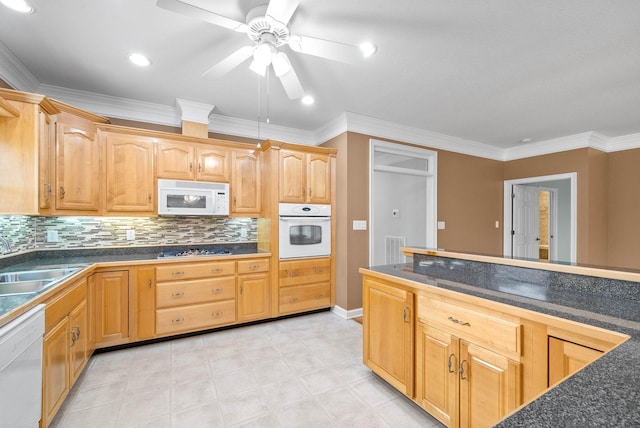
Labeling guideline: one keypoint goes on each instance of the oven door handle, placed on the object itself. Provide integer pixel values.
(307, 218)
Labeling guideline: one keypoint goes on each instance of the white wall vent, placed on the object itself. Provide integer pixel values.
(392, 245)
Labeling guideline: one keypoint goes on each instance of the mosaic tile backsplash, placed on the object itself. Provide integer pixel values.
(30, 232)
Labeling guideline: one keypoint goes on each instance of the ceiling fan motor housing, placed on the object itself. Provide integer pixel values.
(264, 29)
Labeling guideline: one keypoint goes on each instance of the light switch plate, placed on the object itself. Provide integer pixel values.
(441, 225)
(131, 234)
(52, 236)
(359, 224)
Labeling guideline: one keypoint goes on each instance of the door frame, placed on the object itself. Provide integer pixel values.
(507, 216)
(431, 187)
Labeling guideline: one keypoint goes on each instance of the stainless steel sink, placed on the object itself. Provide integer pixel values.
(33, 281)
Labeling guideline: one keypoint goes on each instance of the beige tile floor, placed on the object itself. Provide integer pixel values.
(299, 372)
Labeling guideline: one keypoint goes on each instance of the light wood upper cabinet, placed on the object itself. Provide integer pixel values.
(246, 198)
(388, 333)
(187, 161)
(213, 164)
(129, 178)
(174, 160)
(46, 138)
(305, 177)
(78, 168)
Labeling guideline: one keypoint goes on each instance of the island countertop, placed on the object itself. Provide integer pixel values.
(606, 392)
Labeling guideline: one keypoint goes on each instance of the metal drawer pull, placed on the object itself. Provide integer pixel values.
(450, 363)
(293, 299)
(217, 314)
(293, 273)
(405, 314)
(177, 273)
(77, 330)
(217, 270)
(73, 338)
(453, 320)
(254, 267)
(177, 294)
(319, 270)
(319, 296)
(216, 290)
(462, 376)
(177, 320)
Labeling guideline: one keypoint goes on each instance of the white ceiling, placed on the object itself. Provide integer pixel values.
(492, 72)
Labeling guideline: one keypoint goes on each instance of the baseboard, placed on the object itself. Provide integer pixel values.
(341, 312)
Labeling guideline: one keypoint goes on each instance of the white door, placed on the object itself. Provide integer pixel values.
(526, 222)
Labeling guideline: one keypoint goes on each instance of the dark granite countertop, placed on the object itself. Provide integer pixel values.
(86, 257)
(605, 393)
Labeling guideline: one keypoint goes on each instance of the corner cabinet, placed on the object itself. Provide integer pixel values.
(129, 184)
(388, 333)
(111, 317)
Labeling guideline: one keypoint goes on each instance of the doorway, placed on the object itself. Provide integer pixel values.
(402, 195)
(540, 218)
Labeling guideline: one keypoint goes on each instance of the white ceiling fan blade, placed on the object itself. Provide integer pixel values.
(229, 63)
(282, 10)
(292, 85)
(325, 48)
(202, 14)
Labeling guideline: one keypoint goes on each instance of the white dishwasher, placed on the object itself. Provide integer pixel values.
(21, 370)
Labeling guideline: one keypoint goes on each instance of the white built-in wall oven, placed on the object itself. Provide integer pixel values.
(305, 230)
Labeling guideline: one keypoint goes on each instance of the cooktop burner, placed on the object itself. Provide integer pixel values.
(195, 253)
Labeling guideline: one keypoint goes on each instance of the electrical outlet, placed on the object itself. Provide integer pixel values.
(131, 234)
(52, 236)
(359, 224)
(244, 232)
(441, 225)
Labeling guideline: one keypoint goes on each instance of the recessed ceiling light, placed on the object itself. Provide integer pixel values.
(307, 100)
(368, 49)
(139, 60)
(18, 5)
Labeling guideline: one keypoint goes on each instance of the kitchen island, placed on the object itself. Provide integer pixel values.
(605, 392)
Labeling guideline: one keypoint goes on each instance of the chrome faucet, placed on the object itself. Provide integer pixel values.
(6, 244)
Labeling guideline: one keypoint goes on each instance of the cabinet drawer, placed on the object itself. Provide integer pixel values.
(61, 306)
(305, 297)
(296, 272)
(194, 270)
(196, 291)
(194, 317)
(491, 331)
(251, 266)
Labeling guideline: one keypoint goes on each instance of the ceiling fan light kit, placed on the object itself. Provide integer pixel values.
(18, 5)
(267, 28)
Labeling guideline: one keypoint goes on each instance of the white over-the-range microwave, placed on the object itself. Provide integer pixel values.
(192, 198)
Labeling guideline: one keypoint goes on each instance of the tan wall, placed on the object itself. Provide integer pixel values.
(624, 209)
(463, 181)
(590, 165)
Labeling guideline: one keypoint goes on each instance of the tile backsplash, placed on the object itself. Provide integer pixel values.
(30, 232)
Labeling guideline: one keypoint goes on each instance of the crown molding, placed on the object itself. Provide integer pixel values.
(393, 131)
(193, 111)
(15, 73)
(259, 130)
(624, 142)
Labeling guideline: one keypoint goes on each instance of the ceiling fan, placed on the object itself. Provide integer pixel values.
(266, 27)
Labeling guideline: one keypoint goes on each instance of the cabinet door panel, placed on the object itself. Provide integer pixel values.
(112, 306)
(490, 386)
(146, 294)
(566, 358)
(78, 350)
(318, 179)
(174, 161)
(292, 176)
(437, 373)
(388, 336)
(246, 185)
(213, 164)
(78, 169)
(129, 173)
(55, 370)
(253, 297)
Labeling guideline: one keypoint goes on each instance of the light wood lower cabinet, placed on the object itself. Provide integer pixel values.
(111, 318)
(193, 296)
(462, 384)
(566, 358)
(254, 290)
(64, 349)
(388, 333)
(305, 284)
(146, 302)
